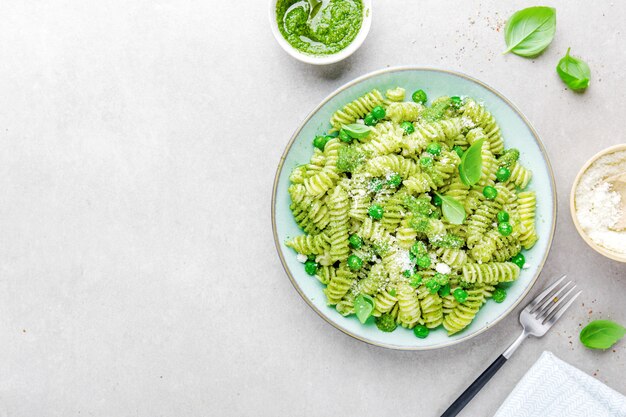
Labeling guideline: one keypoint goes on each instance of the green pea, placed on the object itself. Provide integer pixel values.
(437, 201)
(355, 241)
(503, 217)
(458, 150)
(519, 260)
(344, 136)
(407, 127)
(419, 96)
(407, 273)
(490, 192)
(379, 112)
(394, 180)
(499, 295)
(421, 331)
(433, 148)
(418, 248)
(370, 120)
(423, 261)
(416, 280)
(376, 212)
(310, 267)
(433, 286)
(426, 161)
(445, 290)
(503, 174)
(354, 262)
(505, 228)
(319, 142)
(460, 295)
(455, 101)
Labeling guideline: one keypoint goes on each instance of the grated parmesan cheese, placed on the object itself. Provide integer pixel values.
(443, 268)
(301, 258)
(598, 206)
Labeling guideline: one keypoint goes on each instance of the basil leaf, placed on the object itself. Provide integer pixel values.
(471, 167)
(453, 211)
(529, 31)
(357, 131)
(363, 307)
(601, 334)
(574, 72)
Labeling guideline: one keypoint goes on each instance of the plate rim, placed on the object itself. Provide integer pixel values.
(353, 82)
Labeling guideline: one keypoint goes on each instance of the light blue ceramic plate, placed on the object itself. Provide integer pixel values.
(517, 132)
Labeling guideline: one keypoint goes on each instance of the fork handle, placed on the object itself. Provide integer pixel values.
(482, 380)
(473, 389)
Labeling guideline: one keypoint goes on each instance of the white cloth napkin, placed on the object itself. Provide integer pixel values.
(553, 388)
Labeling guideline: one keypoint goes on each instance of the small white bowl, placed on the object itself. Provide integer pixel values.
(323, 59)
(572, 204)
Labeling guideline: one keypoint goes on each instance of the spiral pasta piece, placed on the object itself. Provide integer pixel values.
(491, 273)
(404, 112)
(325, 274)
(391, 164)
(520, 176)
(339, 285)
(396, 94)
(309, 244)
(431, 306)
(462, 314)
(405, 234)
(410, 314)
(356, 109)
(454, 258)
(485, 120)
(527, 203)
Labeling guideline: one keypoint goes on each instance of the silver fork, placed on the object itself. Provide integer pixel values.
(536, 319)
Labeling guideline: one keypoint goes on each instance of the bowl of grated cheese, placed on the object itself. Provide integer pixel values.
(596, 203)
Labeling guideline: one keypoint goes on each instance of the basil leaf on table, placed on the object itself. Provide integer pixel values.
(471, 167)
(363, 307)
(453, 211)
(529, 31)
(357, 131)
(574, 72)
(601, 334)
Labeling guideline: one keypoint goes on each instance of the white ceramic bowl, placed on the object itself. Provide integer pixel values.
(572, 204)
(323, 59)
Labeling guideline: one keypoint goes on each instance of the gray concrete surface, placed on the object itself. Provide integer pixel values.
(139, 141)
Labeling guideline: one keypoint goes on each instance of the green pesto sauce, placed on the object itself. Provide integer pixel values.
(332, 27)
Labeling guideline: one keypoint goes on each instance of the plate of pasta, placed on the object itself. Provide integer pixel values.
(414, 208)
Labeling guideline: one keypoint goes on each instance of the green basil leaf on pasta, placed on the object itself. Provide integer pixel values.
(357, 130)
(529, 31)
(453, 211)
(363, 307)
(601, 334)
(471, 166)
(574, 72)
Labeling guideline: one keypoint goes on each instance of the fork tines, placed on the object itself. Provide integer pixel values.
(550, 305)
